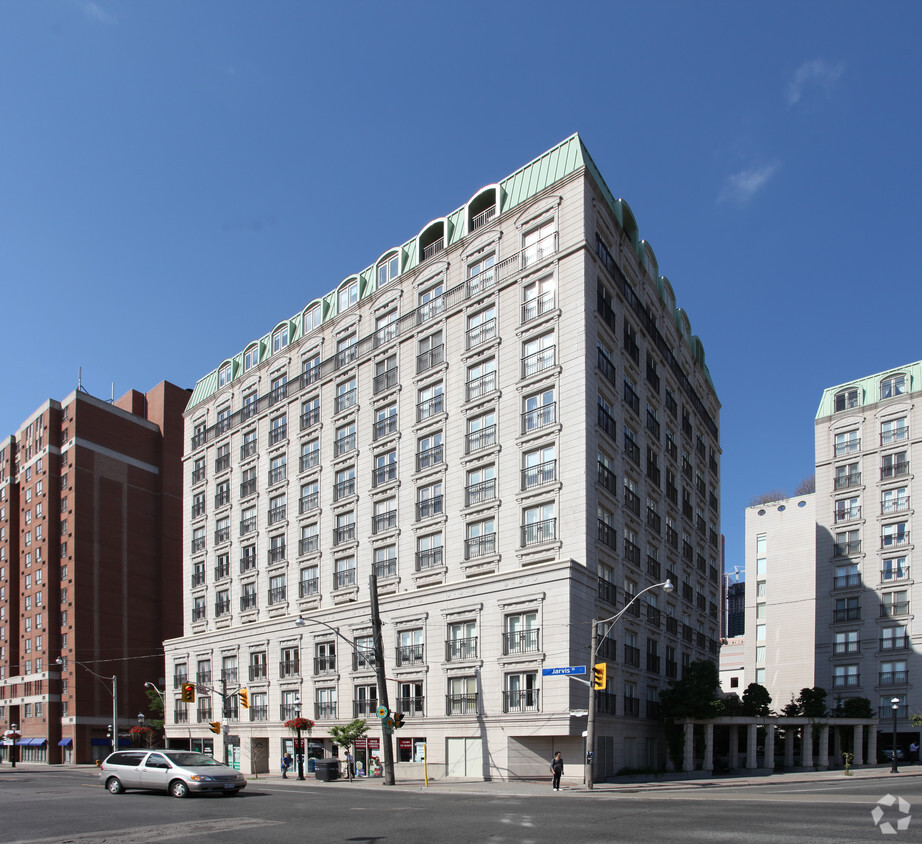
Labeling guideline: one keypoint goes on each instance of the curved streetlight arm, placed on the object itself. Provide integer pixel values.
(301, 621)
(665, 585)
(149, 685)
(61, 661)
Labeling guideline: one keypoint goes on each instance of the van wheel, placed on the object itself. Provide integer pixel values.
(114, 786)
(179, 789)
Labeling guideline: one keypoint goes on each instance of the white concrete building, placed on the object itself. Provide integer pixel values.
(506, 419)
(780, 597)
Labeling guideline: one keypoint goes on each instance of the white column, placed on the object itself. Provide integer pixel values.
(859, 745)
(752, 750)
(733, 760)
(688, 758)
(708, 747)
(806, 747)
(823, 759)
(770, 747)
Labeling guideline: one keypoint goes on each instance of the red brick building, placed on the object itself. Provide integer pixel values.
(90, 566)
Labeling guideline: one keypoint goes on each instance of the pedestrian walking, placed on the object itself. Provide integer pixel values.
(286, 764)
(557, 770)
(914, 753)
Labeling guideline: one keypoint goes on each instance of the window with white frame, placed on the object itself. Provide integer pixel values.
(429, 500)
(348, 295)
(894, 500)
(539, 410)
(895, 568)
(250, 358)
(385, 421)
(462, 696)
(385, 561)
(845, 676)
(429, 401)
(224, 375)
(309, 581)
(539, 524)
(538, 243)
(522, 634)
(481, 538)
(481, 378)
(847, 509)
(538, 354)
(280, 338)
(895, 385)
(481, 485)
(311, 320)
(846, 642)
(521, 693)
(480, 274)
(895, 534)
(431, 302)
(430, 351)
(481, 327)
(893, 431)
(429, 551)
(539, 467)
(388, 269)
(847, 442)
(538, 298)
(344, 572)
(846, 399)
(481, 432)
(385, 327)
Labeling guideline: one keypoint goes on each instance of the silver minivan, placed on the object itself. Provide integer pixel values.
(178, 772)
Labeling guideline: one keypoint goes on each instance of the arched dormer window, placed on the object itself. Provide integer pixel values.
(846, 399)
(432, 240)
(482, 208)
(895, 385)
(348, 294)
(251, 357)
(280, 338)
(224, 375)
(311, 320)
(388, 269)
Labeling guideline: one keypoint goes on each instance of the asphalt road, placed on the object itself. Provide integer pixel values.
(71, 806)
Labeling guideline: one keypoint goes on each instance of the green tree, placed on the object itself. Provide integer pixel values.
(854, 707)
(696, 695)
(155, 719)
(345, 736)
(812, 702)
(756, 700)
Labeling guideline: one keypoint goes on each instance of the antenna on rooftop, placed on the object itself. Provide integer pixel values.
(80, 387)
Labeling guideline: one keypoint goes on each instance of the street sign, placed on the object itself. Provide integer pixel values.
(579, 713)
(383, 712)
(567, 669)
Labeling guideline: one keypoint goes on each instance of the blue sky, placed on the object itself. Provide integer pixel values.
(177, 176)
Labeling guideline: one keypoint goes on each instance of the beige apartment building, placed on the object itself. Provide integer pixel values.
(510, 423)
(868, 454)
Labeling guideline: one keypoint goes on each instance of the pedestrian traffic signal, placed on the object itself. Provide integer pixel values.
(398, 720)
(600, 676)
(188, 693)
(244, 696)
(215, 726)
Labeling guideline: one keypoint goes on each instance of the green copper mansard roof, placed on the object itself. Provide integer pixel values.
(871, 389)
(567, 157)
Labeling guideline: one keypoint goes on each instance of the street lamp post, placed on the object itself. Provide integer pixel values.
(894, 705)
(299, 747)
(114, 680)
(593, 650)
(12, 734)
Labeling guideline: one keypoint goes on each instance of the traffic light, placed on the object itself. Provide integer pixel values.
(244, 696)
(215, 726)
(600, 676)
(188, 693)
(398, 720)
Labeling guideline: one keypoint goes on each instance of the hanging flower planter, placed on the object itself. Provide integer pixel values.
(296, 724)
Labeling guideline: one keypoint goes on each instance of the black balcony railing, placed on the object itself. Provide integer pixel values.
(459, 649)
(461, 704)
(521, 641)
(410, 654)
(522, 700)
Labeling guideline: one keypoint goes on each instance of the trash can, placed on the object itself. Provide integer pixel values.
(311, 765)
(326, 770)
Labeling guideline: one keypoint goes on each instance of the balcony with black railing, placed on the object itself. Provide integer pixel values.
(480, 546)
(429, 507)
(539, 475)
(894, 470)
(363, 659)
(894, 608)
(538, 306)
(198, 578)
(847, 548)
(410, 654)
(608, 591)
(461, 704)
(538, 362)
(607, 534)
(385, 380)
(344, 533)
(277, 595)
(429, 407)
(482, 385)
(522, 641)
(324, 710)
(429, 457)
(259, 712)
(222, 607)
(247, 562)
(277, 474)
(308, 502)
(847, 614)
(430, 358)
(247, 602)
(385, 427)
(344, 578)
(606, 422)
(893, 678)
(343, 489)
(345, 400)
(384, 521)
(384, 568)
(309, 418)
(538, 533)
(364, 707)
(308, 587)
(540, 417)
(460, 649)
(324, 665)
(480, 334)
(248, 488)
(521, 700)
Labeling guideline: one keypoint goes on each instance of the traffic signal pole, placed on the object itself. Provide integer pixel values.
(590, 720)
(387, 747)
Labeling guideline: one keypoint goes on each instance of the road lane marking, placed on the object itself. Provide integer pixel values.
(151, 834)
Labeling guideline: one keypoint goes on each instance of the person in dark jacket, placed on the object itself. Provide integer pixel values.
(557, 770)
(286, 764)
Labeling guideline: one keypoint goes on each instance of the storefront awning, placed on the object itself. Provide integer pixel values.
(123, 741)
(65, 742)
(32, 742)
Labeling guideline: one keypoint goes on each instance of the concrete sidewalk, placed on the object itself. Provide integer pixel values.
(570, 785)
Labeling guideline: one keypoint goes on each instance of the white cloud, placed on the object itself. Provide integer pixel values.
(742, 186)
(816, 73)
(95, 12)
